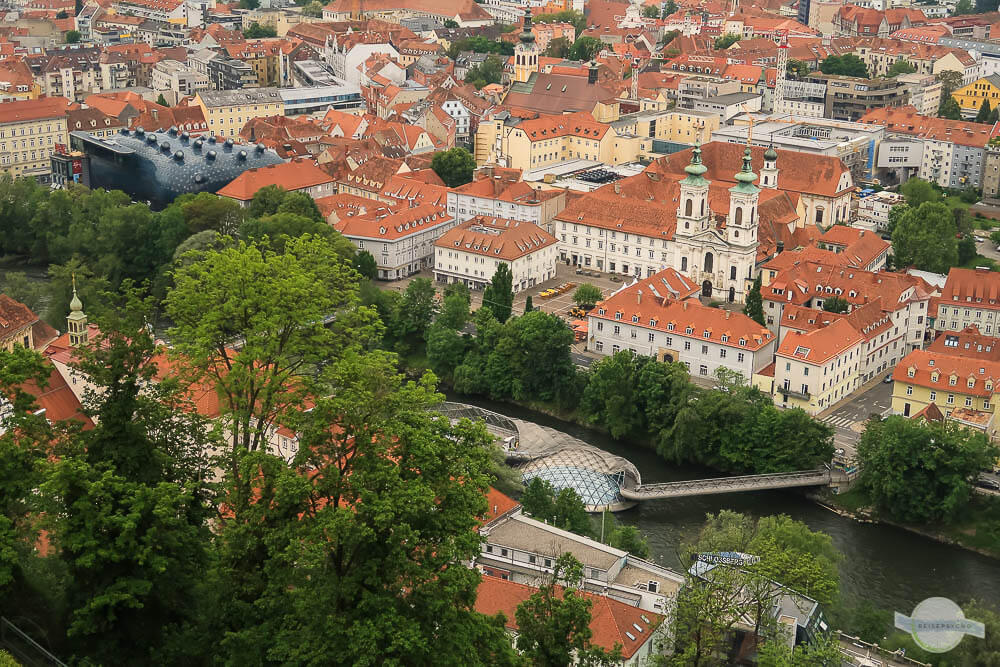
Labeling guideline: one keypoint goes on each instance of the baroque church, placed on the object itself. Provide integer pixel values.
(715, 233)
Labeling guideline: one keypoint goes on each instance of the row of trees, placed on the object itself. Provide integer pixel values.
(105, 239)
(527, 358)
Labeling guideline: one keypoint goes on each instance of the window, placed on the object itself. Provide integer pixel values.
(503, 553)
(722, 353)
(968, 401)
(599, 346)
(951, 399)
(651, 337)
(531, 559)
(618, 330)
(909, 390)
(489, 549)
(548, 562)
(933, 395)
(703, 370)
(687, 345)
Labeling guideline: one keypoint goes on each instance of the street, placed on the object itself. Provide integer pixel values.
(848, 419)
(988, 249)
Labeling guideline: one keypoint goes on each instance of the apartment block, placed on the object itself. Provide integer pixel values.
(227, 111)
(30, 130)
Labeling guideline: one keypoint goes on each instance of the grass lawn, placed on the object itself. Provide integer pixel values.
(979, 260)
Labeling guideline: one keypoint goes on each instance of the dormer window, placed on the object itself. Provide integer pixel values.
(635, 318)
(618, 315)
(652, 323)
(707, 333)
(934, 376)
(910, 372)
(670, 327)
(972, 383)
(743, 342)
(688, 330)
(600, 312)
(725, 338)
(952, 381)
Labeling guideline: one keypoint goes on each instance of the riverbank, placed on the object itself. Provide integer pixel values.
(978, 531)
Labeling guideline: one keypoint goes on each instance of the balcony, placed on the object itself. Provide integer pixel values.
(788, 391)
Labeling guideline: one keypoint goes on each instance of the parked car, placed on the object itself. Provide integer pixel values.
(577, 311)
(990, 484)
(888, 378)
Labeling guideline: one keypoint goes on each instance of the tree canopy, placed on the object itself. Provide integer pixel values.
(727, 40)
(487, 72)
(587, 295)
(585, 48)
(917, 471)
(845, 65)
(258, 31)
(901, 66)
(498, 296)
(925, 237)
(454, 166)
(754, 305)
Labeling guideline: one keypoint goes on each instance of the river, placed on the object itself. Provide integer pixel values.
(886, 566)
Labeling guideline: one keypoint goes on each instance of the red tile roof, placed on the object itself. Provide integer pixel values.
(14, 316)
(40, 109)
(820, 345)
(385, 223)
(498, 504)
(658, 303)
(294, 175)
(498, 238)
(610, 619)
(965, 287)
(928, 364)
(57, 399)
(906, 120)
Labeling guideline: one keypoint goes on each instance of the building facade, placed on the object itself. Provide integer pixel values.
(30, 131)
(228, 111)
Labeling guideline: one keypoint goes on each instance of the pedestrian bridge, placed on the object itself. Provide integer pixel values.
(699, 487)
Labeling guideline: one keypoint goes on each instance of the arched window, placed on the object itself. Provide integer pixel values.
(703, 207)
(732, 294)
(708, 262)
(684, 263)
(688, 207)
(739, 216)
(732, 272)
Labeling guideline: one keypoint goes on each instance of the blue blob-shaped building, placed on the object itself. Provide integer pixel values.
(159, 167)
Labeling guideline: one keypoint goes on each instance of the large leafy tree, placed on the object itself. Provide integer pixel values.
(901, 66)
(917, 191)
(255, 327)
(585, 48)
(554, 623)
(845, 65)
(498, 296)
(925, 237)
(611, 398)
(416, 310)
(359, 546)
(917, 471)
(454, 166)
(754, 306)
(949, 109)
(587, 295)
(984, 112)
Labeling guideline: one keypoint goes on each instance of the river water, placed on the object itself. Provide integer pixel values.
(886, 566)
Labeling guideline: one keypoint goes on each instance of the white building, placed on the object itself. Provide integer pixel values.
(655, 317)
(472, 251)
(873, 210)
(500, 193)
(179, 78)
(402, 243)
(345, 60)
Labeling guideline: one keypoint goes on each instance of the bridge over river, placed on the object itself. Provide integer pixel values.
(602, 479)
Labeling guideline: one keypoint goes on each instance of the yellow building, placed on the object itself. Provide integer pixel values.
(227, 111)
(16, 322)
(679, 125)
(264, 55)
(29, 133)
(549, 140)
(971, 97)
(961, 381)
(819, 368)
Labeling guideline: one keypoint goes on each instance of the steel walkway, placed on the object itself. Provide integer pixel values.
(699, 487)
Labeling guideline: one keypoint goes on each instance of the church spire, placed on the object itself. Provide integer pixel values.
(695, 169)
(745, 176)
(76, 321)
(526, 35)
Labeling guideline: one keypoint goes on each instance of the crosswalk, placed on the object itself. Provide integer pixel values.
(834, 420)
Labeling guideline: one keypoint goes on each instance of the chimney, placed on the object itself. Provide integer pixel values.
(728, 313)
(781, 247)
(638, 296)
(618, 188)
(684, 305)
(592, 73)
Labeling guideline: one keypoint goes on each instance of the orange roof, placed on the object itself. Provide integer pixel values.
(858, 247)
(384, 223)
(57, 399)
(294, 175)
(651, 303)
(611, 621)
(969, 343)
(906, 120)
(498, 504)
(498, 238)
(14, 315)
(926, 365)
(44, 107)
(967, 286)
(345, 204)
(820, 345)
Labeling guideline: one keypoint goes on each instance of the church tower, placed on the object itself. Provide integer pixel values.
(76, 321)
(526, 52)
(769, 173)
(741, 228)
(692, 211)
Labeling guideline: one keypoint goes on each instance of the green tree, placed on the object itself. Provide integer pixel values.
(72, 36)
(258, 31)
(610, 398)
(538, 499)
(950, 82)
(397, 501)
(823, 651)
(365, 265)
(835, 304)
(554, 623)
(314, 9)
(949, 109)
(651, 12)
(901, 66)
(249, 4)
(669, 8)
(450, 23)
(558, 48)
(562, 508)
(918, 471)
(984, 651)
(487, 72)
(797, 69)
(498, 296)
(162, 101)
(918, 191)
(446, 348)
(281, 227)
(984, 112)
(528, 305)
(61, 14)
(754, 306)
(455, 306)
(266, 201)
(845, 65)
(19, 287)
(967, 249)
(963, 7)
(530, 359)
(895, 213)
(727, 40)
(416, 311)
(454, 166)
(207, 211)
(273, 306)
(619, 536)
(585, 48)
(924, 237)
(586, 295)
